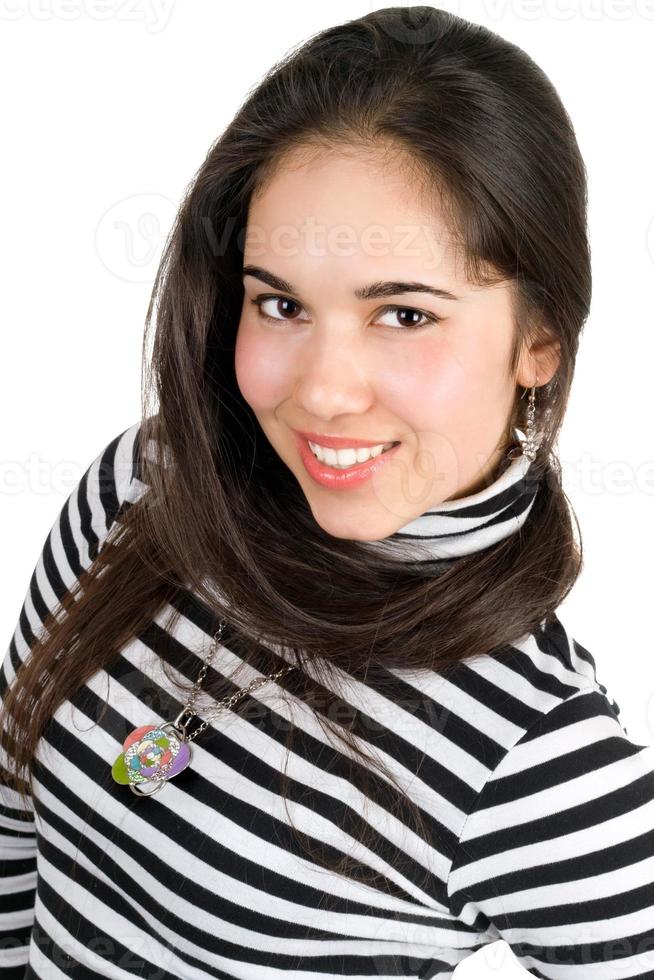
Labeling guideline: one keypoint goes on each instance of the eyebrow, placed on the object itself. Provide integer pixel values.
(372, 291)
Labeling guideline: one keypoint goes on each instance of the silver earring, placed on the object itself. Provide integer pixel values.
(529, 440)
(530, 447)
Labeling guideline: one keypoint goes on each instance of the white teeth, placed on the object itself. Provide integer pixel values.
(343, 458)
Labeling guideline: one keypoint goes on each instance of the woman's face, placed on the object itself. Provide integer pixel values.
(336, 363)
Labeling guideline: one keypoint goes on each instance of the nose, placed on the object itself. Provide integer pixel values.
(333, 377)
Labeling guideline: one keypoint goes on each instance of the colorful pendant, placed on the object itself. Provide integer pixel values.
(151, 754)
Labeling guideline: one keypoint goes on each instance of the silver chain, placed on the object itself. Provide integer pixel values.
(226, 702)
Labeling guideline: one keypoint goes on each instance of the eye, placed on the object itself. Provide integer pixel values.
(427, 318)
(260, 300)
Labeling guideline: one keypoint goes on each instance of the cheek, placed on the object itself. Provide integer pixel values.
(450, 394)
(425, 387)
(261, 373)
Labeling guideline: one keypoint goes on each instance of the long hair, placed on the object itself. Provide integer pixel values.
(224, 517)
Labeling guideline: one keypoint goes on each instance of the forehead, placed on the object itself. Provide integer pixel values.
(338, 208)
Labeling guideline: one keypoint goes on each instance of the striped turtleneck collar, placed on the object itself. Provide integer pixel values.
(468, 524)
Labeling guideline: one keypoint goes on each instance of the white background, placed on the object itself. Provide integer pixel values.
(113, 108)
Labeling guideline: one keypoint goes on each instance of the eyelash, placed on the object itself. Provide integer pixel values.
(430, 317)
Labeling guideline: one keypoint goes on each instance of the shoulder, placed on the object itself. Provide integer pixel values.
(525, 680)
(500, 696)
(116, 466)
(110, 484)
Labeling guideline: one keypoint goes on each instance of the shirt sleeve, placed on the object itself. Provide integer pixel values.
(557, 857)
(70, 547)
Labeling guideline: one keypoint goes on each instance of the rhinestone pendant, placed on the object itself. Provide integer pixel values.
(526, 445)
(151, 755)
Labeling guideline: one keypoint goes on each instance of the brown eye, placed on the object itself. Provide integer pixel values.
(277, 301)
(413, 316)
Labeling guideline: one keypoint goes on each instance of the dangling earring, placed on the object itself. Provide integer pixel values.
(530, 446)
(528, 440)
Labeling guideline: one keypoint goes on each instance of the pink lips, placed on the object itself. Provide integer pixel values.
(334, 479)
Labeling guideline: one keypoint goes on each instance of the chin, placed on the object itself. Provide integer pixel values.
(347, 527)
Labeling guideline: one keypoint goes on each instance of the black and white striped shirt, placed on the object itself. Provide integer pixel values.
(539, 808)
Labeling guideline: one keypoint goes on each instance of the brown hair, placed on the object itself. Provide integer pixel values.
(475, 117)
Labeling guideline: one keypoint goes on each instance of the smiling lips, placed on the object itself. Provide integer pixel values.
(351, 474)
(342, 458)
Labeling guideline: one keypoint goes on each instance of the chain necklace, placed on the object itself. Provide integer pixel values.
(153, 754)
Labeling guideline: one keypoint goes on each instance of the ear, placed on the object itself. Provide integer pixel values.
(538, 364)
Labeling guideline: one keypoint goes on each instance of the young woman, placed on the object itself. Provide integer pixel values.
(307, 603)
